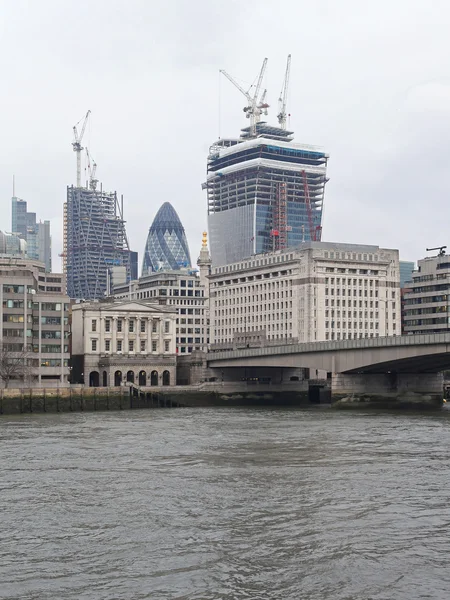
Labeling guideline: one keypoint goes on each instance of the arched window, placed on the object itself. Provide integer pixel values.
(94, 379)
(142, 378)
(105, 379)
(118, 378)
(130, 376)
(166, 378)
(154, 378)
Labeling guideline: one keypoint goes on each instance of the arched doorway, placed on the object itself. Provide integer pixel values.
(166, 378)
(130, 376)
(94, 379)
(142, 378)
(154, 378)
(118, 378)
(105, 379)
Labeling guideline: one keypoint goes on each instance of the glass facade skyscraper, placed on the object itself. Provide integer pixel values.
(264, 193)
(37, 235)
(166, 248)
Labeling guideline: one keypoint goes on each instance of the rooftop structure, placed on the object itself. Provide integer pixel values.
(166, 248)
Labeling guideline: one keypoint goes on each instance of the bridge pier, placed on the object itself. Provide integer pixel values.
(387, 390)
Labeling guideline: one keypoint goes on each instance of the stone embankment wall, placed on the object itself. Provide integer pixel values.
(80, 398)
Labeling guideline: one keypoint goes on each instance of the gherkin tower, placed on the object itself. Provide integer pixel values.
(166, 248)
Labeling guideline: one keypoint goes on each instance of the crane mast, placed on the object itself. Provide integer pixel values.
(76, 144)
(282, 100)
(254, 107)
(91, 170)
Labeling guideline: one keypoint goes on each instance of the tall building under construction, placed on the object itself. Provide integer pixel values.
(264, 191)
(96, 253)
(96, 244)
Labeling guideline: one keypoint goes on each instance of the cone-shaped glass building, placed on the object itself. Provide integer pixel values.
(167, 247)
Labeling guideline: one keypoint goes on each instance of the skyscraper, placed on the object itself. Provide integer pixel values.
(19, 217)
(95, 241)
(166, 248)
(36, 235)
(264, 193)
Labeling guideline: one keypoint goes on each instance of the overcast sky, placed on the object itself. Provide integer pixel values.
(370, 83)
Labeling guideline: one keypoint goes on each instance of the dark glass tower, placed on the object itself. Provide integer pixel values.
(167, 248)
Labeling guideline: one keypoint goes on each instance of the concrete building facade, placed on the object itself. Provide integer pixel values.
(318, 291)
(118, 342)
(34, 312)
(426, 303)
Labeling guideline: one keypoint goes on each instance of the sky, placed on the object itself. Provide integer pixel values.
(370, 83)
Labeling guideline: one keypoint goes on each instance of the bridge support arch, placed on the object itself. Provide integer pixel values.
(387, 390)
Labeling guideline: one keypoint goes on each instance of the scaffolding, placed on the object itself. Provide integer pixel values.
(95, 241)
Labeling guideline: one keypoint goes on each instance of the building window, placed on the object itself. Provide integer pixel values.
(154, 346)
(94, 324)
(167, 327)
(166, 346)
(154, 327)
(119, 325)
(142, 345)
(107, 325)
(119, 345)
(107, 345)
(94, 345)
(131, 325)
(142, 326)
(131, 346)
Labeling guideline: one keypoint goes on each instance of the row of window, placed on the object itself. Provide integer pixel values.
(131, 346)
(345, 325)
(331, 291)
(53, 362)
(356, 282)
(132, 326)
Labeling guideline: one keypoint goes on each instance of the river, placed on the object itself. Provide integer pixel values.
(229, 504)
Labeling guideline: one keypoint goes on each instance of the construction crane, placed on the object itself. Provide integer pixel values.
(440, 248)
(254, 106)
(77, 147)
(282, 100)
(91, 170)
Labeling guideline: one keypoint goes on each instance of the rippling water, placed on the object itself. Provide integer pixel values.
(225, 504)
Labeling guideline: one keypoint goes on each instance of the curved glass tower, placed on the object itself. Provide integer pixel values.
(167, 248)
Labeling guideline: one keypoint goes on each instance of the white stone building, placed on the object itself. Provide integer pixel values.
(315, 292)
(117, 342)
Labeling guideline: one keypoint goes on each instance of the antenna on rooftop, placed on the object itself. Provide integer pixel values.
(440, 248)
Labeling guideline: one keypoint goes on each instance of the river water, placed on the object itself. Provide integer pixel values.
(206, 504)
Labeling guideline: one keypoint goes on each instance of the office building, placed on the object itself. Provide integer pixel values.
(426, 306)
(34, 312)
(264, 193)
(95, 241)
(317, 291)
(114, 343)
(166, 248)
(37, 235)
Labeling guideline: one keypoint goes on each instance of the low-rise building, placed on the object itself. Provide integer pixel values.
(426, 304)
(34, 312)
(317, 291)
(123, 341)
